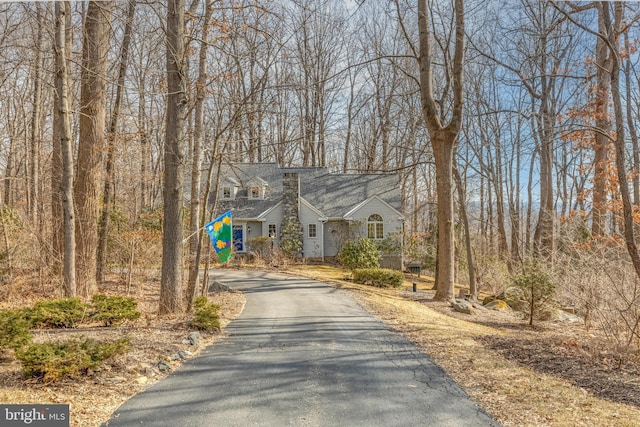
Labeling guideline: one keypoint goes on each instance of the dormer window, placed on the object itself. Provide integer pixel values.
(254, 193)
(228, 188)
(226, 193)
(256, 188)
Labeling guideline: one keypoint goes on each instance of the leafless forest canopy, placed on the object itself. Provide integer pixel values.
(547, 153)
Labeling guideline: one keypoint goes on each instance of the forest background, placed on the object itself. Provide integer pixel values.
(115, 112)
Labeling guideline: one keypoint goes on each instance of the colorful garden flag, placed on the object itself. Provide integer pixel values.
(219, 231)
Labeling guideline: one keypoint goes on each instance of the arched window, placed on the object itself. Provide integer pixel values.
(375, 227)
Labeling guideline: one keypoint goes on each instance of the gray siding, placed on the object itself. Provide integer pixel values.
(392, 222)
(312, 247)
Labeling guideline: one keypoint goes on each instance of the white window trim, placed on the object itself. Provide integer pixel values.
(227, 187)
(375, 225)
(251, 195)
(315, 229)
(275, 226)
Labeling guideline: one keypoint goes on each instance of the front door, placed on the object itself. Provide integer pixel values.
(238, 237)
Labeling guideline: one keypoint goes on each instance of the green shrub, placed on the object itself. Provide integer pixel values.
(362, 253)
(206, 317)
(113, 310)
(59, 313)
(536, 287)
(14, 329)
(379, 277)
(54, 361)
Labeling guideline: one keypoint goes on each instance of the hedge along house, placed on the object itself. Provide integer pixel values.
(321, 210)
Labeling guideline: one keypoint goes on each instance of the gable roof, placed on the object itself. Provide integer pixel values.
(333, 195)
(256, 180)
(350, 214)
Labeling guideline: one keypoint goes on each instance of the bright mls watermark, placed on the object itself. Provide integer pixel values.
(34, 415)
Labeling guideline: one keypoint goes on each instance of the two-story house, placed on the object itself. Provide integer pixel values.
(328, 208)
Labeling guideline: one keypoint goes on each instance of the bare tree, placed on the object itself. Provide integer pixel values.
(66, 150)
(57, 163)
(604, 66)
(36, 119)
(612, 29)
(107, 195)
(172, 268)
(443, 139)
(196, 159)
(91, 143)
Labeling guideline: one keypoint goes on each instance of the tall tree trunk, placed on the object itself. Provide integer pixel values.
(543, 236)
(473, 288)
(632, 129)
(57, 220)
(171, 280)
(443, 152)
(604, 62)
(93, 99)
(36, 118)
(107, 195)
(611, 36)
(196, 161)
(63, 132)
(144, 149)
(443, 141)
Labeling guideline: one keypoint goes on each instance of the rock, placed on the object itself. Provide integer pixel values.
(563, 316)
(182, 355)
(116, 380)
(218, 287)
(147, 370)
(163, 366)
(498, 304)
(488, 299)
(462, 307)
(150, 372)
(142, 380)
(477, 305)
(174, 356)
(193, 338)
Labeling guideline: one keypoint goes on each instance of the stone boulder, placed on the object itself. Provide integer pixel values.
(499, 305)
(462, 306)
(216, 287)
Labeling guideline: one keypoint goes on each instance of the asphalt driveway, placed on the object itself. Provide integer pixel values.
(303, 353)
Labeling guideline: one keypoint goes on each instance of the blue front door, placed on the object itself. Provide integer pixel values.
(238, 238)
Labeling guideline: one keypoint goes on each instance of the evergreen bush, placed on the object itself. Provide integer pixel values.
(113, 310)
(362, 253)
(58, 313)
(14, 329)
(379, 277)
(206, 317)
(537, 288)
(54, 361)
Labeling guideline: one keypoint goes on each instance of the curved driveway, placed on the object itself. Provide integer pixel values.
(303, 353)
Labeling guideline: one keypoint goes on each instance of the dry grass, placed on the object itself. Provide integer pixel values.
(515, 394)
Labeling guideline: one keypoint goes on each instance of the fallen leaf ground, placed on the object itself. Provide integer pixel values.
(94, 398)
